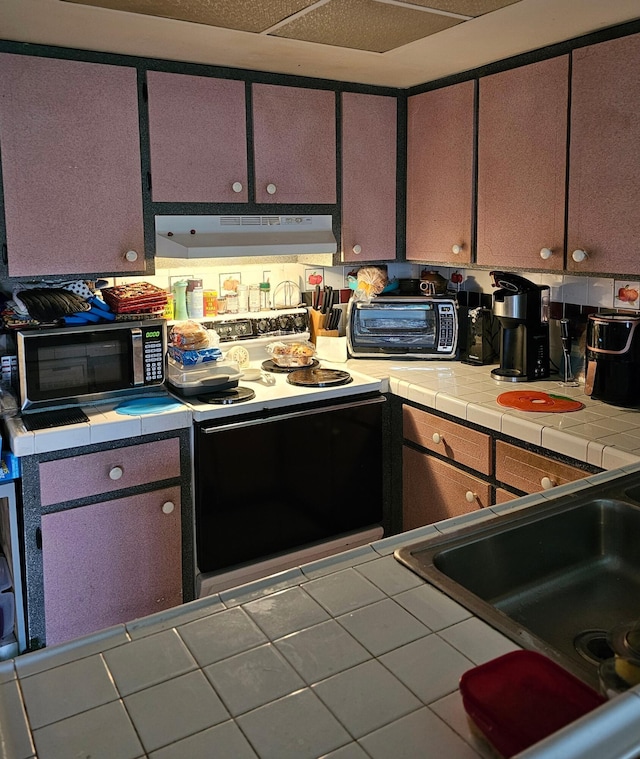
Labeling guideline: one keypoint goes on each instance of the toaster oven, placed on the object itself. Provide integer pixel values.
(409, 327)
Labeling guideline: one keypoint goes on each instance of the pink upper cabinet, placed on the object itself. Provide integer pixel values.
(294, 137)
(522, 147)
(198, 136)
(440, 174)
(369, 143)
(70, 147)
(604, 159)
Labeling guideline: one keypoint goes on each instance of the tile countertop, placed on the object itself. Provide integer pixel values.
(600, 434)
(349, 657)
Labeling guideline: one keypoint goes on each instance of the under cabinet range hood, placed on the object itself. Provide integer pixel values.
(243, 235)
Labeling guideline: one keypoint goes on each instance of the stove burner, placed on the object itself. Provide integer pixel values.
(227, 397)
(270, 366)
(319, 377)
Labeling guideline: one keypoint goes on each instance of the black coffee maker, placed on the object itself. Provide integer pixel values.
(522, 309)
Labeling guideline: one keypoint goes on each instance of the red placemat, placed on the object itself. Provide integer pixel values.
(534, 400)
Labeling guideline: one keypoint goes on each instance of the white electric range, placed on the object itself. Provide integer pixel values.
(291, 475)
(254, 334)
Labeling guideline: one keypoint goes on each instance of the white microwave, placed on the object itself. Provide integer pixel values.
(408, 327)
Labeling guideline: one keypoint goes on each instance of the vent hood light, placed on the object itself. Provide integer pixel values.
(242, 236)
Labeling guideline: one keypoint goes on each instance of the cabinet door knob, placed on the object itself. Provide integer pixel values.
(131, 255)
(357, 249)
(116, 472)
(437, 438)
(271, 188)
(579, 255)
(237, 186)
(456, 249)
(168, 507)
(547, 483)
(546, 253)
(470, 496)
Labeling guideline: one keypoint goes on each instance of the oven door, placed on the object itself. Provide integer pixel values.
(269, 486)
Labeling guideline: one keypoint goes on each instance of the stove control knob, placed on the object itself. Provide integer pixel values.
(283, 321)
(299, 322)
(263, 326)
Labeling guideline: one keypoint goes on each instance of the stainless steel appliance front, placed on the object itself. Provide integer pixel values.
(71, 365)
(411, 327)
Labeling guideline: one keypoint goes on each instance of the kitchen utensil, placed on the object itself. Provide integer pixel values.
(286, 295)
(568, 380)
(432, 283)
(316, 298)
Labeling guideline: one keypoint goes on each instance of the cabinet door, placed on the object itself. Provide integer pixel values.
(433, 490)
(198, 138)
(369, 147)
(440, 174)
(111, 562)
(294, 138)
(522, 148)
(604, 160)
(70, 146)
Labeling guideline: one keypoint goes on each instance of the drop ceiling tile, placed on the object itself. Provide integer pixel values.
(464, 7)
(242, 15)
(364, 25)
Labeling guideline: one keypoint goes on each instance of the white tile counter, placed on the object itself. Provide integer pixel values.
(348, 657)
(600, 434)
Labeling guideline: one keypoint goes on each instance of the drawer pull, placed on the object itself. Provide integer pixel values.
(547, 483)
(168, 507)
(116, 472)
(437, 438)
(271, 188)
(471, 496)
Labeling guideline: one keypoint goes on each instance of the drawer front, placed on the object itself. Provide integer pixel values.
(433, 490)
(107, 471)
(504, 496)
(455, 441)
(531, 472)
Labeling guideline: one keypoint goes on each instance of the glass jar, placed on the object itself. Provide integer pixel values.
(265, 296)
(254, 298)
(243, 298)
(232, 303)
(222, 304)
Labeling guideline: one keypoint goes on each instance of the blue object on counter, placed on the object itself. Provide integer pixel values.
(9, 467)
(139, 406)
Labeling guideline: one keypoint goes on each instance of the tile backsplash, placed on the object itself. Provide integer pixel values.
(571, 297)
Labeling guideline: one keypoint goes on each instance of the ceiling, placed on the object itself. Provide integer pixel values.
(396, 43)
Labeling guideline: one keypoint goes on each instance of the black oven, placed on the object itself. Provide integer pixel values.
(271, 485)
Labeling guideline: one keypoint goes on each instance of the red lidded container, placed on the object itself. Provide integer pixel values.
(522, 697)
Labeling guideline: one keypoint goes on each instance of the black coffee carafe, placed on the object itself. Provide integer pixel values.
(522, 309)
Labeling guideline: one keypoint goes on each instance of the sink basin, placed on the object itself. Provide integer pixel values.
(554, 578)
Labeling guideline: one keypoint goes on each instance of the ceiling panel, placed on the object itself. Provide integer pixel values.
(364, 25)
(243, 15)
(464, 7)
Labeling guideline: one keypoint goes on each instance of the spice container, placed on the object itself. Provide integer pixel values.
(210, 298)
(232, 303)
(243, 298)
(265, 296)
(254, 298)
(180, 300)
(221, 303)
(195, 298)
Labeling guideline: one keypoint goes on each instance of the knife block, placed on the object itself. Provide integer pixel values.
(316, 326)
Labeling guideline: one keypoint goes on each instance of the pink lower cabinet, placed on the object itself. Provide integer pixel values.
(111, 562)
(433, 490)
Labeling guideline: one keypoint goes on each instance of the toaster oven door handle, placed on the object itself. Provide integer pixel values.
(138, 363)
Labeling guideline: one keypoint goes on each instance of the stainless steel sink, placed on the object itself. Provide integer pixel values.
(554, 578)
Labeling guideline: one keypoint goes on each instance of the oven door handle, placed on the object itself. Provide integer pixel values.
(294, 414)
